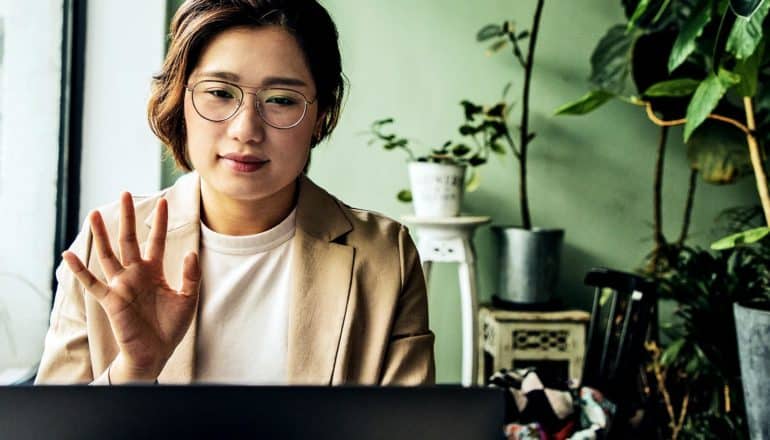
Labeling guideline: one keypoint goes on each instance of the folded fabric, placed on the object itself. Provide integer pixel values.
(553, 412)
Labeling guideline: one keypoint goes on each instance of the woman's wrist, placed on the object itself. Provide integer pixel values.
(119, 373)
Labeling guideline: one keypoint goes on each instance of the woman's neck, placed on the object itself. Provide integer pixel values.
(230, 216)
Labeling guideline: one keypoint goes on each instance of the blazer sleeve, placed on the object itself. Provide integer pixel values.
(409, 358)
(66, 358)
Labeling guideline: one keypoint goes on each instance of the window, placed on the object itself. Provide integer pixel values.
(30, 101)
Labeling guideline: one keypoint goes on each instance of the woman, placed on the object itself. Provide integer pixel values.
(244, 271)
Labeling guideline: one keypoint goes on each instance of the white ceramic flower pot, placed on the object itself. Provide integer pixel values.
(437, 189)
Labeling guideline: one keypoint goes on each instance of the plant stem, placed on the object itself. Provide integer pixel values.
(660, 240)
(524, 132)
(673, 122)
(688, 208)
(756, 159)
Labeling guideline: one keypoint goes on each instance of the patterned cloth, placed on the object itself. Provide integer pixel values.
(553, 411)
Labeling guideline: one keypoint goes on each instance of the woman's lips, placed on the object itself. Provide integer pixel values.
(243, 163)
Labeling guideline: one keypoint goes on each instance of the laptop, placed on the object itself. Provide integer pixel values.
(225, 412)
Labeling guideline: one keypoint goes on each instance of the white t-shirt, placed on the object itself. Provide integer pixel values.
(244, 306)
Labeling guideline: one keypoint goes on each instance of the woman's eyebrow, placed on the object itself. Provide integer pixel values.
(268, 81)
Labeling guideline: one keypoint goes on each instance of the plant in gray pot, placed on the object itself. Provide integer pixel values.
(529, 256)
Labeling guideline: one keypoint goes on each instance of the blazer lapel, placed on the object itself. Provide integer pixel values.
(183, 236)
(321, 277)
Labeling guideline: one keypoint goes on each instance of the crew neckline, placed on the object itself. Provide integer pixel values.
(249, 244)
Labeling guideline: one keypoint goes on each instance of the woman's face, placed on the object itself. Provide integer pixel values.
(243, 158)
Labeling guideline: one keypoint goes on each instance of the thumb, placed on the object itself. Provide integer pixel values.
(191, 275)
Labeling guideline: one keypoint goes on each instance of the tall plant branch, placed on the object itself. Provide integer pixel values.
(688, 208)
(525, 137)
(660, 240)
(756, 158)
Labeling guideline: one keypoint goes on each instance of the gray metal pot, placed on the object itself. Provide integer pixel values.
(752, 326)
(529, 263)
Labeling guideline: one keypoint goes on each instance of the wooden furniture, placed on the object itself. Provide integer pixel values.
(554, 342)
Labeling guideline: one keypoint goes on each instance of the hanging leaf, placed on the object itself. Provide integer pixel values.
(741, 238)
(489, 31)
(470, 109)
(745, 8)
(674, 87)
(497, 111)
(718, 152)
(672, 352)
(476, 161)
(641, 8)
(691, 30)
(474, 180)
(587, 103)
(404, 196)
(748, 70)
(746, 33)
(611, 59)
(496, 46)
(706, 97)
(497, 148)
(460, 150)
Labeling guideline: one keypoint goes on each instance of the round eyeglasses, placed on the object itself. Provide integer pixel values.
(219, 101)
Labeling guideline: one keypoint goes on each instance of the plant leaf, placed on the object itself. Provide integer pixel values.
(706, 97)
(745, 8)
(673, 87)
(404, 196)
(497, 148)
(748, 70)
(747, 32)
(691, 30)
(489, 31)
(672, 352)
(587, 103)
(611, 59)
(476, 161)
(470, 109)
(474, 180)
(745, 237)
(718, 152)
(460, 150)
(641, 8)
(496, 46)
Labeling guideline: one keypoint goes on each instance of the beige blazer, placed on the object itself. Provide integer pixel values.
(358, 312)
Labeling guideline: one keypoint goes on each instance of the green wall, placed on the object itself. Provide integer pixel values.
(592, 176)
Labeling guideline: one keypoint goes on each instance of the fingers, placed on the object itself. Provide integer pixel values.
(191, 275)
(92, 284)
(127, 242)
(157, 241)
(110, 264)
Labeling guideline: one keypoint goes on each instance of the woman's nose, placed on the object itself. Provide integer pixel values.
(247, 125)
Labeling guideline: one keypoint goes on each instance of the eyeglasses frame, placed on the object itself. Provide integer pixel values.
(257, 90)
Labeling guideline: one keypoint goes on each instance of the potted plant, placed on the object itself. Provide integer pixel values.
(437, 178)
(712, 78)
(698, 375)
(529, 256)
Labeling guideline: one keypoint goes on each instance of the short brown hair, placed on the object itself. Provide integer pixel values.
(196, 22)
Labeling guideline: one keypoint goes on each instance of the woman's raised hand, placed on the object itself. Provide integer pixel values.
(148, 318)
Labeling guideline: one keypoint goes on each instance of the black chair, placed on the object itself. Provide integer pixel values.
(622, 309)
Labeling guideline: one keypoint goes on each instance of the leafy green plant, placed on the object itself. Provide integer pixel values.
(692, 63)
(699, 369)
(453, 153)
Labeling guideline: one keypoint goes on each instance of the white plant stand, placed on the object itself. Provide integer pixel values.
(450, 240)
